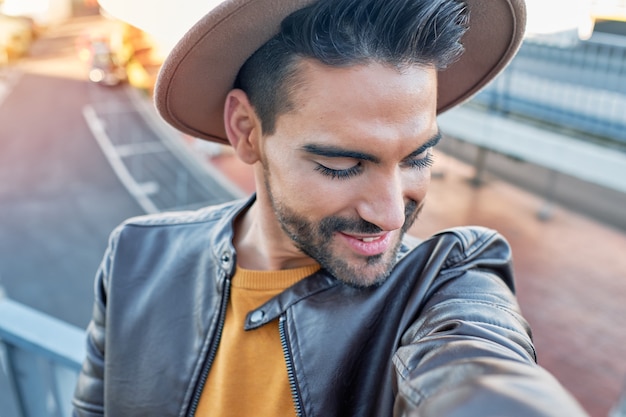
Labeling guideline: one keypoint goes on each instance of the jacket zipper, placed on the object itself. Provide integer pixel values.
(284, 341)
(212, 352)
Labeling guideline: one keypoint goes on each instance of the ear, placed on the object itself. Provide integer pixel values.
(243, 127)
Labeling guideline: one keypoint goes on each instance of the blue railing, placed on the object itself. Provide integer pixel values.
(40, 358)
(578, 87)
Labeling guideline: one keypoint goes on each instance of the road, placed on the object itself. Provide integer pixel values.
(59, 198)
(76, 159)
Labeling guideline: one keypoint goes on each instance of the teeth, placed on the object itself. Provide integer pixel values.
(369, 239)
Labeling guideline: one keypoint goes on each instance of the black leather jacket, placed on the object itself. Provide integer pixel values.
(443, 336)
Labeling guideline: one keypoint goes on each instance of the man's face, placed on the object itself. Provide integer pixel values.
(345, 173)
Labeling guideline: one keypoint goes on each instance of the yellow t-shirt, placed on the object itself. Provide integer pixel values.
(249, 375)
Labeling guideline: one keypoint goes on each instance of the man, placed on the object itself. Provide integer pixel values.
(308, 299)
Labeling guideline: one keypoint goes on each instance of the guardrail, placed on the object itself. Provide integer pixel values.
(579, 87)
(40, 357)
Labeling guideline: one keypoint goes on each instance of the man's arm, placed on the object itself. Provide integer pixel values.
(470, 352)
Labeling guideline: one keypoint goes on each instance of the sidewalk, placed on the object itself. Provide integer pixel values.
(550, 149)
(571, 274)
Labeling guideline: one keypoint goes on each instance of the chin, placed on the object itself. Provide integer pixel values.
(374, 276)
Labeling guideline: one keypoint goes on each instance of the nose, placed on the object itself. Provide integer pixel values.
(383, 203)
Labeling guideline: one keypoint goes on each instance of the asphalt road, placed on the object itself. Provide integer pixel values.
(76, 159)
(59, 198)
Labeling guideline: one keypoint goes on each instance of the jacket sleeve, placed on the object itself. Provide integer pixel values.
(470, 353)
(88, 398)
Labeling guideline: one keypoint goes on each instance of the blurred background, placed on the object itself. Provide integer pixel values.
(539, 155)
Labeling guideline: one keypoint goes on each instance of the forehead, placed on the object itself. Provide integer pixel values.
(372, 102)
(370, 78)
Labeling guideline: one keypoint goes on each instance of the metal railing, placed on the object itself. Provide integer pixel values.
(581, 87)
(40, 358)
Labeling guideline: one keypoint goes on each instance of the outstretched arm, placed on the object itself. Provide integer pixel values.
(470, 352)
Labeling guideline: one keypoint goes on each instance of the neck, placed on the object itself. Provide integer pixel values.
(261, 243)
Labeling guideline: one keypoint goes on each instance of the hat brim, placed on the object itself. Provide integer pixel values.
(200, 71)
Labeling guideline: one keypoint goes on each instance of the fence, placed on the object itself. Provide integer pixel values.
(40, 358)
(581, 87)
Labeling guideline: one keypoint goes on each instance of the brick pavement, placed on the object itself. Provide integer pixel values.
(571, 274)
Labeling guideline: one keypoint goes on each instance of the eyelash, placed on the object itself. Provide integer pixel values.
(344, 174)
(425, 162)
(341, 174)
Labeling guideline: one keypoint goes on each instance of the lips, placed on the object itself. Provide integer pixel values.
(368, 245)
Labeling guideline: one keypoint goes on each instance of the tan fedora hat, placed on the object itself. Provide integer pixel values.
(201, 69)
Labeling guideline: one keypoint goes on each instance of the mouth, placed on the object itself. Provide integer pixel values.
(368, 239)
(370, 245)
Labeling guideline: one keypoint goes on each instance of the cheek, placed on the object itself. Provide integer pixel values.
(314, 195)
(321, 196)
(298, 185)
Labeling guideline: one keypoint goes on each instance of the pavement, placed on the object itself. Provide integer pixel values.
(528, 142)
(571, 272)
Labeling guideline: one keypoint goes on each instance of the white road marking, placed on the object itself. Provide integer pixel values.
(149, 187)
(139, 148)
(136, 190)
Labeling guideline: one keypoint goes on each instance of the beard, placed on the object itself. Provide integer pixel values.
(316, 239)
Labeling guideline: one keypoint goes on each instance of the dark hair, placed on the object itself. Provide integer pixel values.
(349, 32)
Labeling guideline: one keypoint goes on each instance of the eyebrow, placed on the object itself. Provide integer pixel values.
(431, 143)
(331, 151)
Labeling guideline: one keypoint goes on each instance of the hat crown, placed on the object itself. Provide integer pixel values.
(200, 71)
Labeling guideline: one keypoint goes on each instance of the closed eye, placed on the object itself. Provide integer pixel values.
(421, 163)
(341, 174)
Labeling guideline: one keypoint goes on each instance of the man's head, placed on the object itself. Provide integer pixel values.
(344, 173)
(341, 33)
(337, 113)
